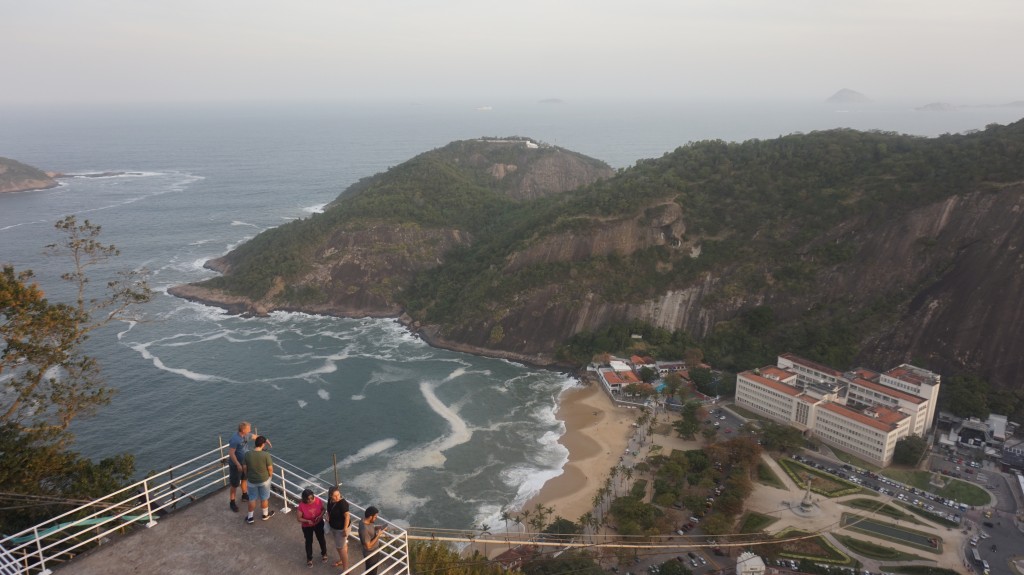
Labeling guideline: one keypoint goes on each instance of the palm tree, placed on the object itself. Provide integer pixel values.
(505, 516)
(485, 529)
(518, 521)
(525, 521)
(585, 522)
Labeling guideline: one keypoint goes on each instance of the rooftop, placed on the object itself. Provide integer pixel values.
(886, 390)
(777, 386)
(912, 375)
(811, 364)
(854, 415)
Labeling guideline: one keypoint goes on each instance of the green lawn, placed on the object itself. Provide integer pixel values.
(753, 522)
(918, 570)
(767, 476)
(955, 489)
(875, 506)
(891, 532)
(929, 515)
(823, 483)
(853, 460)
(874, 550)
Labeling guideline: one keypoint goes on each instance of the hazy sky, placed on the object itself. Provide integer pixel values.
(200, 50)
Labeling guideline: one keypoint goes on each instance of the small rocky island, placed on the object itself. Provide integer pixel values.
(18, 177)
(848, 96)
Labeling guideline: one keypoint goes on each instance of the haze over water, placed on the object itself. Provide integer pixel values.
(433, 437)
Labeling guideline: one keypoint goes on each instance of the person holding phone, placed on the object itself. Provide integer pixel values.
(369, 538)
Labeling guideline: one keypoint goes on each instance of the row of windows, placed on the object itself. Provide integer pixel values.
(757, 398)
(841, 428)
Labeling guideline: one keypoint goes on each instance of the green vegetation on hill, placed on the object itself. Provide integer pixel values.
(767, 220)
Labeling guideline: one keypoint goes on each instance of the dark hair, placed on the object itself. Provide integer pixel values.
(332, 491)
(371, 511)
(306, 494)
(260, 441)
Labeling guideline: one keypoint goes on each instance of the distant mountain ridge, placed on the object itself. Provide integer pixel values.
(847, 247)
(848, 96)
(18, 177)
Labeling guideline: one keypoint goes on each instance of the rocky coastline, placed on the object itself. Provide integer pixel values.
(429, 333)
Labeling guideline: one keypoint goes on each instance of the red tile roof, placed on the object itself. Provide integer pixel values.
(777, 386)
(850, 414)
(904, 374)
(778, 372)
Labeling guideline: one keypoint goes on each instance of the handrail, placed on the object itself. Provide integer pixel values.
(34, 550)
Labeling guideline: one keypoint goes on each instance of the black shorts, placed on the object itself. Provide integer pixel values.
(235, 475)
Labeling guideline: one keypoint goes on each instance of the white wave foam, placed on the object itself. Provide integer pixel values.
(302, 404)
(388, 487)
(240, 223)
(143, 350)
(318, 208)
(12, 226)
(324, 394)
(457, 373)
(377, 447)
(358, 397)
(201, 242)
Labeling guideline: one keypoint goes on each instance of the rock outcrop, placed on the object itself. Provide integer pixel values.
(18, 177)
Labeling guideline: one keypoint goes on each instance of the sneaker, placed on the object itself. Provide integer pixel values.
(250, 520)
(245, 497)
(268, 515)
(234, 506)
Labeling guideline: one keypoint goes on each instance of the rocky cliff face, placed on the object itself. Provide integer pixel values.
(956, 267)
(18, 177)
(946, 271)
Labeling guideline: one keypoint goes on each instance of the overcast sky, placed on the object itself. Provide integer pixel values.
(222, 50)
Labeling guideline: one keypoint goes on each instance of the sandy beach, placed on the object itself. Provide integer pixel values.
(596, 434)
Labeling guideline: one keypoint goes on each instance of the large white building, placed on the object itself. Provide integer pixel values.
(862, 411)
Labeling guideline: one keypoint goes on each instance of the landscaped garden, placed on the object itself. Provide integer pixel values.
(896, 534)
(929, 515)
(754, 522)
(821, 483)
(766, 476)
(955, 489)
(875, 506)
(874, 550)
(803, 545)
(918, 570)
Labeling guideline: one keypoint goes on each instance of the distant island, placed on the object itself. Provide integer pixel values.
(18, 177)
(938, 107)
(848, 96)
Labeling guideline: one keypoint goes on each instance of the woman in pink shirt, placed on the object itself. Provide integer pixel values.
(311, 516)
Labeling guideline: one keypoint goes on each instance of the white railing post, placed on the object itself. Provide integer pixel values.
(284, 493)
(39, 551)
(149, 503)
(220, 453)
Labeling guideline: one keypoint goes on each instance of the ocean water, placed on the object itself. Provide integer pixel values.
(434, 438)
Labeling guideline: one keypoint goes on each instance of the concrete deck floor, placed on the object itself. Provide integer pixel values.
(207, 538)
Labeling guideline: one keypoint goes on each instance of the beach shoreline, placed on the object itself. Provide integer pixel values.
(596, 435)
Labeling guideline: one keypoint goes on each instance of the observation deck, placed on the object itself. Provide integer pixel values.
(178, 521)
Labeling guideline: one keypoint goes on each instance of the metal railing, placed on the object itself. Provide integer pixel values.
(34, 551)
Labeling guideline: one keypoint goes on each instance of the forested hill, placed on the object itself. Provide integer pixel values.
(848, 247)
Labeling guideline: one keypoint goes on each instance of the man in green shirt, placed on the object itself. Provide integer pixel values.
(259, 470)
